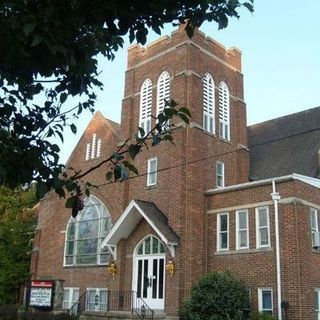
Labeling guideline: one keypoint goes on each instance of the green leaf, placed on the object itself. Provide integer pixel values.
(36, 40)
(70, 202)
(117, 172)
(63, 97)
(124, 173)
(185, 110)
(134, 150)
(41, 189)
(142, 133)
(109, 176)
(60, 135)
(71, 185)
(183, 117)
(73, 128)
(131, 167)
(28, 28)
(117, 156)
(169, 112)
(156, 139)
(60, 192)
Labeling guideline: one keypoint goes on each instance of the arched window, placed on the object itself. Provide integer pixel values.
(208, 103)
(85, 234)
(163, 90)
(150, 245)
(145, 105)
(224, 111)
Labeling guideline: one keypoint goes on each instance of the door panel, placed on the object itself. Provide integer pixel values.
(150, 281)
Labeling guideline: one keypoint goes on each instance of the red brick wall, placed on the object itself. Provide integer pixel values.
(299, 262)
(186, 169)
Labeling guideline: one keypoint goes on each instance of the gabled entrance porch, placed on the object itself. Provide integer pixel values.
(140, 243)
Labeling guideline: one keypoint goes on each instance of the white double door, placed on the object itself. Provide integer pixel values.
(149, 280)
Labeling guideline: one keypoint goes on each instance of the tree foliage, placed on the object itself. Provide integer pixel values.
(217, 296)
(49, 53)
(17, 222)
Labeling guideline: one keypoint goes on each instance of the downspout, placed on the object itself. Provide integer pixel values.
(276, 197)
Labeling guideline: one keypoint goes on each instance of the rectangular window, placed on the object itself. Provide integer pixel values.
(223, 231)
(242, 229)
(314, 227)
(152, 172)
(224, 130)
(220, 174)
(262, 227)
(317, 303)
(208, 123)
(265, 300)
(70, 297)
(96, 299)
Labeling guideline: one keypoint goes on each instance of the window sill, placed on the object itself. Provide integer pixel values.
(152, 186)
(317, 251)
(243, 251)
(86, 266)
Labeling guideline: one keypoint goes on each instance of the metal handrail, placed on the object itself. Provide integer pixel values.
(79, 306)
(140, 307)
(118, 301)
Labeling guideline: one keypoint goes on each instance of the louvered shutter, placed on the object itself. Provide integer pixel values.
(163, 92)
(224, 112)
(208, 103)
(145, 105)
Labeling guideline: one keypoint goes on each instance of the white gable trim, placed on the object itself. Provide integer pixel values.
(123, 228)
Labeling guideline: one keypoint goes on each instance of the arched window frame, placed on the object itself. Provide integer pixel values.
(163, 91)
(143, 244)
(224, 111)
(94, 229)
(145, 106)
(208, 104)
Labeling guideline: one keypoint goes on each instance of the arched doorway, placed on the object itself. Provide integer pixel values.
(149, 272)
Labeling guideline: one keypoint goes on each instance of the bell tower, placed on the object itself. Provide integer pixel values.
(204, 76)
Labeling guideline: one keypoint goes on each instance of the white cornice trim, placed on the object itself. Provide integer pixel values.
(264, 203)
(305, 179)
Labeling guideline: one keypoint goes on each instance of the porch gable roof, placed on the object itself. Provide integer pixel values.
(131, 216)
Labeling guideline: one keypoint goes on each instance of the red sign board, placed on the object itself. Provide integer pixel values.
(41, 294)
(44, 284)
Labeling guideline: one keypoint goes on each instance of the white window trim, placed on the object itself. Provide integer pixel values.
(224, 110)
(317, 291)
(260, 290)
(97, 292)
(149, 173)
(208, 103)
(70, 301)
(238, 229)
(223, 174)
(258, 240)
(314, 212)
(99, 253)
(163, 90)
(218, 231)
(145, 106)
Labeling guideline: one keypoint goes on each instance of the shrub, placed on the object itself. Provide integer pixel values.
(261, 316)
(217, 296)
(44, 315)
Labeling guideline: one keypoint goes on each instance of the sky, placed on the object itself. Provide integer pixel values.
(280, 45)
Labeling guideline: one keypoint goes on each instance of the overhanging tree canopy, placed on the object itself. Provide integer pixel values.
(48, 53)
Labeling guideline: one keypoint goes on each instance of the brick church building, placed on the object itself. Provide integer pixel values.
(225, 197)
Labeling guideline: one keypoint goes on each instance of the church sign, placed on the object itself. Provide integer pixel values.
(41, 294)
